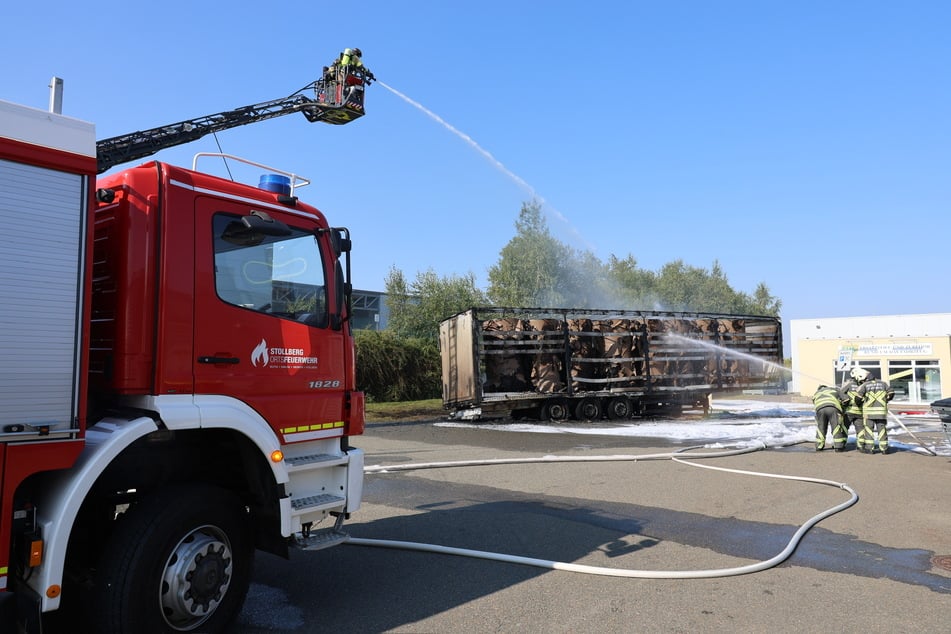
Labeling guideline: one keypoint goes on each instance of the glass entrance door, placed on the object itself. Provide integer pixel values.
(915, 380)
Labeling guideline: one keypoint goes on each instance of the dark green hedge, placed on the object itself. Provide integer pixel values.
(392, 368)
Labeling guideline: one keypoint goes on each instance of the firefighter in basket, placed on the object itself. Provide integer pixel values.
(350, 60)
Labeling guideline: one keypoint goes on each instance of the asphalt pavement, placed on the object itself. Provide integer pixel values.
(881, 565)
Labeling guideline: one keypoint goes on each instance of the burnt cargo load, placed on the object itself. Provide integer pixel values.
(584, 364)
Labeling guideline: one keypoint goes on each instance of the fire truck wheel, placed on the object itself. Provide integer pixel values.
(180, 562)
(588, 409)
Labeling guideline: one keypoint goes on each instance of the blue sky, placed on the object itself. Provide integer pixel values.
(802, 144)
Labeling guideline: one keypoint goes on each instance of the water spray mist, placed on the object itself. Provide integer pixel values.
(518, 180)
(750, 357)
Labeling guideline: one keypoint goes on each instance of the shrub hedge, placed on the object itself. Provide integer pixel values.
(392, 368)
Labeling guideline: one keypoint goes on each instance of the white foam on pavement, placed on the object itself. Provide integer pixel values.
(734, 422)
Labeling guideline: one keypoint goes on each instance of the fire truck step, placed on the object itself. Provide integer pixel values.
(320, 502)
(323, 538)
(314, 461)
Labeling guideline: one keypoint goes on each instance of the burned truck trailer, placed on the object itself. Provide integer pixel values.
(560, 363)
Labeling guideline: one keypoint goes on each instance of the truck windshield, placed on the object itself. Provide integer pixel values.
(280, 276)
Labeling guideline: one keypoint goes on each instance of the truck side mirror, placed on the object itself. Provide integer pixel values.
(340, 298)
(341, 243)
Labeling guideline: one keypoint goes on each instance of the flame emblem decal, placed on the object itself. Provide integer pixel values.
(259, 354)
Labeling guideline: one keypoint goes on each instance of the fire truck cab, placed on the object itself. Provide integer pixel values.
(177, 386)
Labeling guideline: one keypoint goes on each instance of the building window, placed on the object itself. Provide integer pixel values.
(915, 380)
(841, 376)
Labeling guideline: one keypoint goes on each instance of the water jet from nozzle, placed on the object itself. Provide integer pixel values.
(751, 357)
(518, 180)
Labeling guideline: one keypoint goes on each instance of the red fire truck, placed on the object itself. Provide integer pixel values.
(177, 382)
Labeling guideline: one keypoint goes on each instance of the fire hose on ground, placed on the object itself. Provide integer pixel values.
(677, 456)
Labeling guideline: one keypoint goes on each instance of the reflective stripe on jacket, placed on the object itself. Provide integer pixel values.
(875, 395)
(827, 397)
(854, 403)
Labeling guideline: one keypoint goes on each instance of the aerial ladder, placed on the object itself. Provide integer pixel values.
(336, 99)
(95, 349)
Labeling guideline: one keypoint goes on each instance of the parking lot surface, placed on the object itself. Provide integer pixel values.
(880, 565)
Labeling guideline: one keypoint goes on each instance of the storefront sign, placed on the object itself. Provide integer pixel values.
(894, 350)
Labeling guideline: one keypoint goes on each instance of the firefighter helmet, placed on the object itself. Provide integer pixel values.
(358, 52)
(859, 374)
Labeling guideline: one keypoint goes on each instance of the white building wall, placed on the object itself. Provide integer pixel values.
(814, 344)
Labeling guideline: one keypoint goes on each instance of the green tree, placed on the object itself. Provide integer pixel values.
(536, 269)
(678, 286)
(530, 265)
(416, 310)
(587, 283)
(398, 298)
(688, 288)
(635, 287)
(764, 303)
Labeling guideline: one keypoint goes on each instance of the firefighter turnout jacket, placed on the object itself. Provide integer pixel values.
(874, 396)
(827, 396)
(853, 403)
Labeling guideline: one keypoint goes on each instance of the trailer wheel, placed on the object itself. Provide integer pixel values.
(554, 409)
(588, 409)
(180, 562)
(619, 408)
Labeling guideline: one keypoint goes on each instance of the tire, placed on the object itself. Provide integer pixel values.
(554, 409)
(588, 409)
(619, 408)
(180, 562)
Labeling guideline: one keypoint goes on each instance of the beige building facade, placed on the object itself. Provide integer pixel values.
(910, 352)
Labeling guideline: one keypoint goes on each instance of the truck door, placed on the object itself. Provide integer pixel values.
(262, 318)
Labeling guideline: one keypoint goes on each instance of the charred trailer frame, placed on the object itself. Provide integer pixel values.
(561, 363)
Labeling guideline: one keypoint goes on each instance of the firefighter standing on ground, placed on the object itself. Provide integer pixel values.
(828, 402)
(853, 406)
(875, 395)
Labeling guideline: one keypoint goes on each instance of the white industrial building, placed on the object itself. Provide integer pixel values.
(911, 352)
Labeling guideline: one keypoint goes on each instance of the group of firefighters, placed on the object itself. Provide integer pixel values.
(861, 402)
